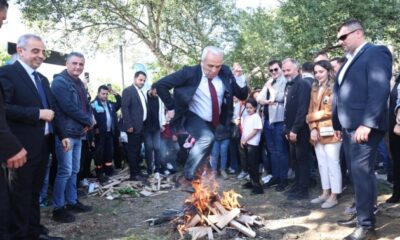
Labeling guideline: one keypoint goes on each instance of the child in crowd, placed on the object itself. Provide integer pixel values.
(251, 135)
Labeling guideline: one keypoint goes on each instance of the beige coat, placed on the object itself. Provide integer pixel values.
(320, 111)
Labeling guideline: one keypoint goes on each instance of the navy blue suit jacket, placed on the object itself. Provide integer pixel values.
(185, 83)
(361, 97)
(22, 105)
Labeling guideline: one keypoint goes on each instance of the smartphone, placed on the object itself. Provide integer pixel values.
(109, 86)
(86, 75)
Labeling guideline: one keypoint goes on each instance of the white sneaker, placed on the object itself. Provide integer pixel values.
(84, 183)
(169, 166)
(247, 177)
(329, 204)
(319, 199)
(224, 175)
(291, 174)
(157, 175)
(241, 175)
(266, 178)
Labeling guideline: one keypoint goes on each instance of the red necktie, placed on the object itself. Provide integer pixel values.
(214, 101)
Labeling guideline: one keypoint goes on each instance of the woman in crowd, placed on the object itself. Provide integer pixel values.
(251, 135)
(327, 146)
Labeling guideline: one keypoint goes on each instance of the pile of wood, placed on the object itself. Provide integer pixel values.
(119, 184)
(205, 212)
(201, 225)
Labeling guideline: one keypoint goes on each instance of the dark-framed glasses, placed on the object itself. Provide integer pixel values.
(273, 70)
(344, 36)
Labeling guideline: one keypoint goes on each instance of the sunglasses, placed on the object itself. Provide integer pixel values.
(344, 36)
(274, 70)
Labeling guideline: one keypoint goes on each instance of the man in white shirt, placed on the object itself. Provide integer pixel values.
(134, 113)
(203, 99)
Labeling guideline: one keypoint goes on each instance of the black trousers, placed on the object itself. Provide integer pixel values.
(4, 205)
(25, 185)
(361, 161)
(135, 141)
(253, 162)
(104, 148)
(117, 152)
(300, 154)
(394, 144)
(86, 160)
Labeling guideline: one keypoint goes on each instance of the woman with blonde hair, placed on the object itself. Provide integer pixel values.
(327, 146)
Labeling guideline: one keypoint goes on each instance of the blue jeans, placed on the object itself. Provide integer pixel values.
(277, 147)
(220, 148)
(67, 170)
(152, 147)
(45, 186)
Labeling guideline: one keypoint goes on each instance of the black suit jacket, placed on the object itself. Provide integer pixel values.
(361, 97)
(9, 144)
(132, 110)
(298, 93)
(185, 83)
(22, 105)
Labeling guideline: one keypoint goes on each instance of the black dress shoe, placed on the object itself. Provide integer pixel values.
(43, 230)
(393, 199)
(361, 234)
(248, 185)
(47, 237)
(298, 196)
(281, 186)
(351, 222)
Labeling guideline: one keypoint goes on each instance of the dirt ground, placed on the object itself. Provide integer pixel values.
(123, 219)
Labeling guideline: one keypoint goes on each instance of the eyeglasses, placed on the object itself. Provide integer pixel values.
(274, 70)
(344, 36)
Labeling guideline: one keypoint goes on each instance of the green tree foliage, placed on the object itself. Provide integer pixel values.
(260, 40)
(311, 25)
(4, 57)
(175, 31)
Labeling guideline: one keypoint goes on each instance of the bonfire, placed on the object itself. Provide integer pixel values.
(205, 212)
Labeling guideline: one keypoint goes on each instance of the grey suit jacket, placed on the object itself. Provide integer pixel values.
(132, 110)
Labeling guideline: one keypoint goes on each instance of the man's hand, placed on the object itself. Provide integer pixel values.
(243, 143)
(361, 134)
(174, 138)
(293, 137)
(170, 115)
(86, 129)
(18, 160)
(66, 144)
(314, 136)
(338, 134)
(46, 115)
(237, 70)
(129, 130)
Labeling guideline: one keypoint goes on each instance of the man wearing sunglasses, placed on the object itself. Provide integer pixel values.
(272, 97)
(360, 116)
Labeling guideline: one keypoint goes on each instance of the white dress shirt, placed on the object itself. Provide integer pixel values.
(142, 97)
(30, 71)
(201, 103)
(350, 58)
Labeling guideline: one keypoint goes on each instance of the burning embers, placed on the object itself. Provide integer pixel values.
(205, 212)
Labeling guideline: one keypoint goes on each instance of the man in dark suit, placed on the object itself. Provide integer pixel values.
(297, 100)
(134, 114)
(360, 116)
(12, 154)
(203, 98)
(28, 103)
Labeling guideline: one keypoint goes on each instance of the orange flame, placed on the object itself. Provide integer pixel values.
(205, 194)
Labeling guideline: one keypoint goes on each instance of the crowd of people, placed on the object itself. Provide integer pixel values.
(329, 114)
